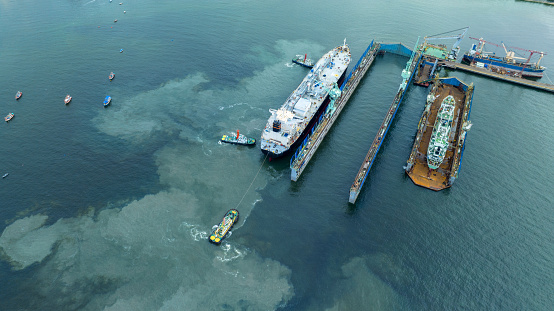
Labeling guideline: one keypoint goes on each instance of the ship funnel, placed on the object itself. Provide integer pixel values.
(276, 126)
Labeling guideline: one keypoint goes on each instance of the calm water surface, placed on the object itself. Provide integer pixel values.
(110, 208)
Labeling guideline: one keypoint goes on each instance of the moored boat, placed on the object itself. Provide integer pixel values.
(287, 127)
(67, 99)
(510, 64)
(218, 234)
(107, 101)
(303, 61)
(18, 95)
(111, 76)
(238, 139)
(9, 117)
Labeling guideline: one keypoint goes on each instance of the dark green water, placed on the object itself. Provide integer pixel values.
(109, 208)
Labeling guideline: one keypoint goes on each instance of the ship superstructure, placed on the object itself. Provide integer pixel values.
(441, 132)
(287, 126)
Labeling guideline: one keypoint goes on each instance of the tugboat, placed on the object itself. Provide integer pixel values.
(9, 117)
(303, 61)
(67, 99)
(112, 75)
(226, 224)
(18, 95)
(239, 139)
(107, 101)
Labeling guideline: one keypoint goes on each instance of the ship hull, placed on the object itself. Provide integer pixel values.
(308, 128)
(527, 71)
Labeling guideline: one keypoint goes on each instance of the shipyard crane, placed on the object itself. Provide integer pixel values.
(479, 47)
(531, 52)
(455, 47)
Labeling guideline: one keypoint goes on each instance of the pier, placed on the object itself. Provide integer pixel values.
(308, 148)
(407, 75)
(487, 73)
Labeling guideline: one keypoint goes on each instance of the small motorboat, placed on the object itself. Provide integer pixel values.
(9, 117)
(5, 175)
(238, 139)
(115, 21)
(67, 99)
(121, 51)
(18, 95)
(107, 101)
(112, 75)
(303, 61)
(230, 218)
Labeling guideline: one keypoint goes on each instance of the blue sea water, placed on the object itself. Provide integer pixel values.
(110, 208)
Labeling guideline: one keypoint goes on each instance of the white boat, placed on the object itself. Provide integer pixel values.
(287, 127)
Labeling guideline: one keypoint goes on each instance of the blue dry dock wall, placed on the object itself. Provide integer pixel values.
(396, 48)
(455, 82)
(357, 64)
(468, 115)
(390, 122)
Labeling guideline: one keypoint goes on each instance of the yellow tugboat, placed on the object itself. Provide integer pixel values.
(223, 228)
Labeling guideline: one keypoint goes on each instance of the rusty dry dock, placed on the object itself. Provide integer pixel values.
(444, 176)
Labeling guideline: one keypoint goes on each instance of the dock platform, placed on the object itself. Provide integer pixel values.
(308, 148)
(494, 75)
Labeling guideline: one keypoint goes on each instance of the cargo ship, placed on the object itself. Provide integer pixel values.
(508, 64)
(441, 132)
(439, 144)
(287, 127)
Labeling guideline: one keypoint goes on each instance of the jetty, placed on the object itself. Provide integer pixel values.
(504, 77)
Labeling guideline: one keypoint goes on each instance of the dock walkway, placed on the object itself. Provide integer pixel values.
(494, 75)
(308, 148)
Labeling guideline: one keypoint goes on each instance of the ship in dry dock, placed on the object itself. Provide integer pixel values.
(288, 126)
(438, 148)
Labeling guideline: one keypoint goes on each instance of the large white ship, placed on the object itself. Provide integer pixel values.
(289, 125)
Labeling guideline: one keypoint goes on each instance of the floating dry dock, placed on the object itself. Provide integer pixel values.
(309, 146)
(418, 168)
(407, 75)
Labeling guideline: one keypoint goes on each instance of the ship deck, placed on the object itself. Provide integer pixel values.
(420, 173)
(422, 77)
